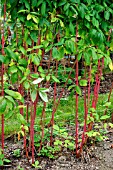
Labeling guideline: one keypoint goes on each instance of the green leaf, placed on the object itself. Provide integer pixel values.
(70, 46)
(48, 77)
(87, 16)
(34, 3)
(22, 50)
(79, 56)
(29, 16)
(2, 58)
(9, 115)
(44, 89)
(71, 28)
(14, 78)
(7, 160)
(66, 6)
(15, 95)
(95, 22)
(23, 62)
(55, 53)
(78, 90)
(87, 56)
(62, 2)
(94, 55)
(33, 95)
(33, 35)
(10, 99)
(35, 20)
(21, 119)
(27, 5)
(26, 85)
(104, 117)
(11, 54)
(3, 105)
(81, 11)
(83, 82)
(107, 104)
(39, 2)
(40, 69)
(43, 96)
(13, 69)
(55, 79)
(43, 8)
(107, 15)
(1, 162)
(35, 75)
(56, 127)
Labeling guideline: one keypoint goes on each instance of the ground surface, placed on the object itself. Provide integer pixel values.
(96, 157)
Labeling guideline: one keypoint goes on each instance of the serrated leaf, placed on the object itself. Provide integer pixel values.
(43, 96)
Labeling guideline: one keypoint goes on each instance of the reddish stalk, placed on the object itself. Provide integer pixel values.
(2, 76)
(31, 144)
(42, 126)
(96, 90)
(85, 112)
(76, 112)
(55, 94)
(44, 107)
(57, 103)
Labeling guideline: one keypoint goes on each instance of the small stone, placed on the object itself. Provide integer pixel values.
(61, 159)
(106, 147)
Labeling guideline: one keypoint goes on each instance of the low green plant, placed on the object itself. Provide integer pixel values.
(49, 151)
(3, 160)
(17, 153)
(36, 164)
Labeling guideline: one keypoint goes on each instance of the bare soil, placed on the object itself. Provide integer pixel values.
(98, 156)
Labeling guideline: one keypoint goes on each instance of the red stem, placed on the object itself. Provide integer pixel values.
(76, 112)
(2, 76)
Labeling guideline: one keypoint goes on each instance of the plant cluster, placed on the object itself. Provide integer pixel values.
(35, 30)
